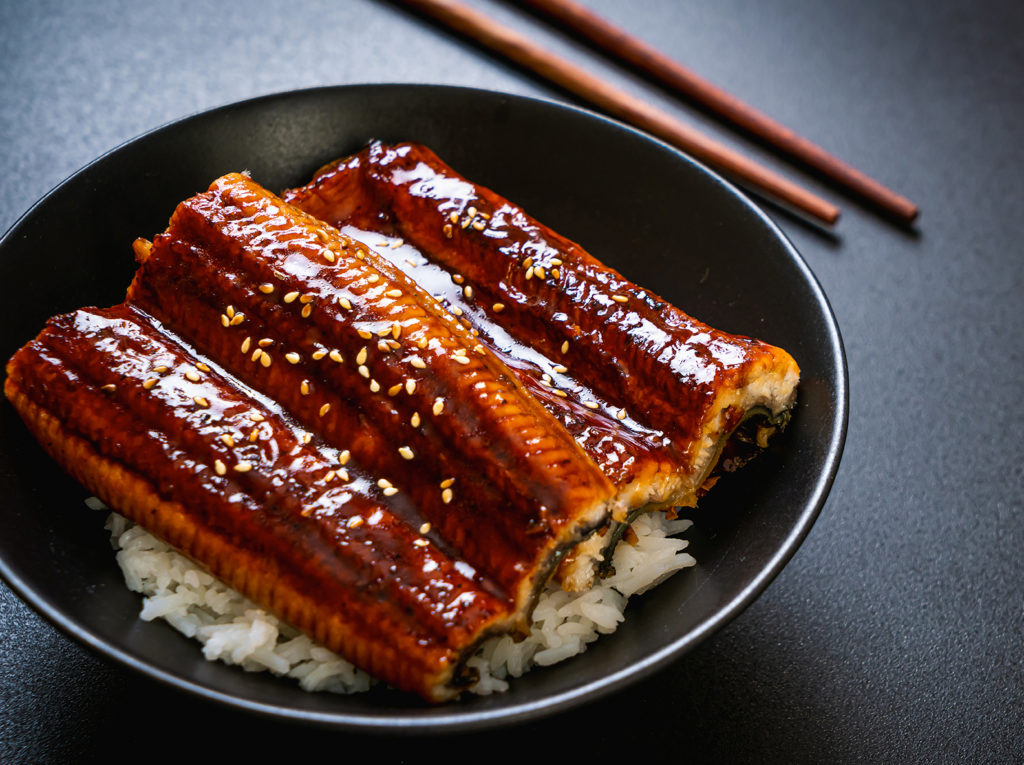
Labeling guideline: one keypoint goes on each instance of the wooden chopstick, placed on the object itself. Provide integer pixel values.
(621, 104)
(639, 54)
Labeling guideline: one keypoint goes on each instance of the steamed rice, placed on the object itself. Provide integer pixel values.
(234, 630)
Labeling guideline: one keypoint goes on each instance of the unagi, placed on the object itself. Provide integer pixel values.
(651, 394)
(281, 404)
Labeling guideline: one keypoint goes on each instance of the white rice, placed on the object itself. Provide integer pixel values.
(234, 630)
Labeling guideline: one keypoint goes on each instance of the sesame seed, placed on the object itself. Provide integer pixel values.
(246, 345)
(266, 342)
(529, 273)
(384, 332)
(279, 274)
(546, 378)
(306, 512)
(293, 357)
(219, 467)
(446, 496)
(438, 406)
(471, 212)
(193, 376)
(560, 393)
(256, 417)
(528, 262)
(345, 303)
(390, 491)
(384, 483)
(365, 334)
(343, 475)
(447, 482)
(266, 289)
(202, 367)
(149, 383)
(109, 387)
(467, 291)
(319, 353)
(256, 354)
(321, 235)
(230, 311)
(160, 369)
(304, 387)
(410, 386)
(461, 359)
(254, 434)
(465, 223)
(224, 320)
(621, 414)
(565, 347)
(306, 311)
(456, 310)
(393, 390)
(306, 438)
(453, 217)
(344, 457)
(417, 362)
(539, 271)
(458, 278)
(336, 356)
(361, 356)
(364, 371)
(412, 263)
(415, 419)
(498, 307)
(374, 386)
(556, 261)
(406, 452)
(420, 542)
(325, 409)
(591, 404)
(329, 476)
(243, 467)
(228, 440)
(373, 278)
(394, 293)
(304, 299)
(396, 330)
(237, 319)
(560, 369)
(620, 298)
(425, 528)
(355, 521)
(265, 359)
(556, 273)
(422, 342)
(290, 297)
(545, 383)
(383, 346)
(448, 231)
(328, 256)
(479, 225)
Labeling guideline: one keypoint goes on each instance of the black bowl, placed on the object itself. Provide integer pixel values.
(640, 206)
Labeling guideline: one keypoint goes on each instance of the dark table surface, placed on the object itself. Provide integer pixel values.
(897, 631)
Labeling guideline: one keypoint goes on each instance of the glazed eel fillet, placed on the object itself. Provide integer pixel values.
(651, 394)
(281, 404)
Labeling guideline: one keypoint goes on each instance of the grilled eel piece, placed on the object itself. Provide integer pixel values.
(651, 394)
(357, 352)
(182, 447)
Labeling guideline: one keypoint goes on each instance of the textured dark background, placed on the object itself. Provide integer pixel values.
(896, 632)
